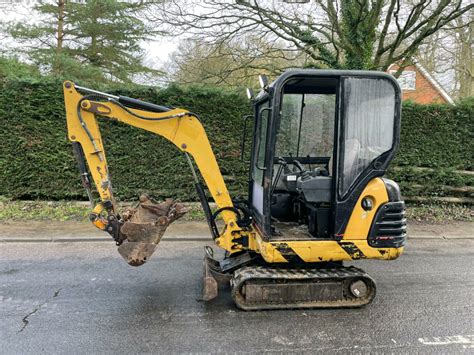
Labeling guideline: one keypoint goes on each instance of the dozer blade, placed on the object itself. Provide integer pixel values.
(144, 226)
(213, 278)
(210, 288)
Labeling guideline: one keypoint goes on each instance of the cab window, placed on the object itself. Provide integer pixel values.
(369, 119)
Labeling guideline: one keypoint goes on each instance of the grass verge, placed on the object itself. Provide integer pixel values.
(438, 213)
(66, 211)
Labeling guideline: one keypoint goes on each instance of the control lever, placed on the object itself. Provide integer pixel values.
(283, 166)
(304, 173)
(299, 165)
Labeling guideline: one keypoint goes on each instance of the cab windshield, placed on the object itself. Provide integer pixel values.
(306, 125)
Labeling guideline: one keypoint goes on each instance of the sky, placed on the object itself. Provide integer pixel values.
(157, 52)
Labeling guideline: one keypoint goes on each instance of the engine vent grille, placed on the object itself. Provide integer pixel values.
(389, 228)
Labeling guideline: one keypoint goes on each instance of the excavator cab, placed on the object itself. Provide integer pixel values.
(319, 138)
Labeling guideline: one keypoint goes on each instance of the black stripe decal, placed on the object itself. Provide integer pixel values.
(352, 249)
(288, 253)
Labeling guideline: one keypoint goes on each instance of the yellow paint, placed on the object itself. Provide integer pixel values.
(312, 251)
(100, 222)
(361, 220)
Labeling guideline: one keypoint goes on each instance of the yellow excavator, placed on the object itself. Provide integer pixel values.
(322, 141)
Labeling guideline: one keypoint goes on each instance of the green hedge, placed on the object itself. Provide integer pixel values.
(36, 160)
(437, 136)
(435, 183)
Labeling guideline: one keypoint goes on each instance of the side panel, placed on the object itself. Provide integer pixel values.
(361, 220)
(300, 252)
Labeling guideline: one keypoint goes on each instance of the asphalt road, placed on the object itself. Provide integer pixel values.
(82, 298)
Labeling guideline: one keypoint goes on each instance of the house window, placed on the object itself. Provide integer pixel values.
(407, 80)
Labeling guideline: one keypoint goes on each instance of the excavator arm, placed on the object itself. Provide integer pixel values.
(141, 229)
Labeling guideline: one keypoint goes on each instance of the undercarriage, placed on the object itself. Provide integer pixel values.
(259, 286)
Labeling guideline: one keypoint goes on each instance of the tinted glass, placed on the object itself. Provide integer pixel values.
(306, 125)
(369, 115)
(261, 134)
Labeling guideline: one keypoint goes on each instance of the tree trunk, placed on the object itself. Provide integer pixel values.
(57, 67)
(466, 62)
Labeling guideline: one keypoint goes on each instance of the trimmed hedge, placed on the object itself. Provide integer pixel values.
(36, 160)
(437, 136)
(435, 183)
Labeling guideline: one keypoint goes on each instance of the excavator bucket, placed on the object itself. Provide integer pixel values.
(144, 226)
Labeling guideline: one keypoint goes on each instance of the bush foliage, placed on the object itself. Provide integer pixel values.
(36, 160)
(437, 136)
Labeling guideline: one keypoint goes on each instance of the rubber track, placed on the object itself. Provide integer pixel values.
(345, 275)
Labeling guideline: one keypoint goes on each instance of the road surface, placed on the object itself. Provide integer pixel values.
(80, 297)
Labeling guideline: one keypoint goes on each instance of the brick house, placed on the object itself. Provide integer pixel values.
(419, 86)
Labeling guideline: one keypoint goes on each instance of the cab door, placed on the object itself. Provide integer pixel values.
(368, 129)
(257, 171)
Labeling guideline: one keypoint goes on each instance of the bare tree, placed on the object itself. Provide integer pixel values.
(464, 62)
(352, 34)
(230, 64)
(449, 55)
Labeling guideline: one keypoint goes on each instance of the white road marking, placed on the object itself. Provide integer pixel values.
(467, 340)
(282, 340)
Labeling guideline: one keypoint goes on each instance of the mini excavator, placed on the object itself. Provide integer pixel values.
(322, 142)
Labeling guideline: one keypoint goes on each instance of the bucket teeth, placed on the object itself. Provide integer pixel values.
(144, 226)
